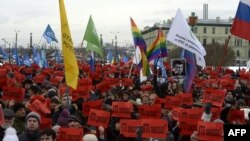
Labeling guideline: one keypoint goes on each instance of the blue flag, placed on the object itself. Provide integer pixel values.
(162, 67)
(37, 57)
(191, 69)
(43, 59)
(109, 56)
(15, 56)
(4, 53)
(125, 59)
(58, 57)
(26, 60)
(49, 35)
(92, 62)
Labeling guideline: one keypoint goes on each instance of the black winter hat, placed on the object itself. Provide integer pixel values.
(18, 106)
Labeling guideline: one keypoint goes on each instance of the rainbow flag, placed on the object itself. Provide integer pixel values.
(158, 49)
(139, 42)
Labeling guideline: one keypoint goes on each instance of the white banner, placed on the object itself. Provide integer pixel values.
(181, 35)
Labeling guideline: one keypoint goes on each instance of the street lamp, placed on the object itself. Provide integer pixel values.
(115, 33)
(5, 45)
(16, 38)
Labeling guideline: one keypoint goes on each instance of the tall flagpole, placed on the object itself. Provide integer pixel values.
(224, 54)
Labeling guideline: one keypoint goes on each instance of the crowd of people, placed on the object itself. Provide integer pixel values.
(47, 98)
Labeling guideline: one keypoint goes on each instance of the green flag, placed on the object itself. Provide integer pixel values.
(93, 42)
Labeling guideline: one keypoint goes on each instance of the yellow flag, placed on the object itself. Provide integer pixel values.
(69, 58)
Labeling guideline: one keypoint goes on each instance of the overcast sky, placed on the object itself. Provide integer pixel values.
(108, 15)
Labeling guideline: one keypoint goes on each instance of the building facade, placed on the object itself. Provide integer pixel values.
(208, 31)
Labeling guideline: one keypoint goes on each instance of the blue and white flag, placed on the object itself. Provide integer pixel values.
(92, 62)
(43, 59)
(26, 60)
(162, 67)
(37, 57)
(16, 56)
(49, 35)
(125, 59)
(58, 57)
(109, 57)
(4, 53)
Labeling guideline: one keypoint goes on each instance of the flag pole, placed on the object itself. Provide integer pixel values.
(224, 54)
(130, 70)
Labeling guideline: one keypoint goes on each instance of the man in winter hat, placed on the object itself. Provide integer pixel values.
(31, 133)
(19, 121)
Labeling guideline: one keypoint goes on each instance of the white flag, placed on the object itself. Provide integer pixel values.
(137, 56)
(181, 35)
(248, 64)
(200, 61)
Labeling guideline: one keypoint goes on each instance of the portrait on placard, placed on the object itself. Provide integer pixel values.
(178, 68)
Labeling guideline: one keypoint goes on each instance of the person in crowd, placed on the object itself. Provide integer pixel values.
(89, 137)
(10, 134)
(9, 116)
(48, 135)
(75, 121)
(145, 98)
(56, 129)
(32, 132)
(152, 99)
(34, 90)
(19, 121)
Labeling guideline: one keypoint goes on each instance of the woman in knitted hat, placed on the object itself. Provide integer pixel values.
(31, 133)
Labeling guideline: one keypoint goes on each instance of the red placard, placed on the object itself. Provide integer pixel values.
(83, 91)
(210, 131)
(150, 111)
(172, 102)
(216, 97)
(192, 114)
(1, 116)
(39, 107)
(236, 116)
(159, 100)
(156, 128)
(187, 126)
(122, 109)
(128, 127)
(13, 93)
(97, 104)
(70, 134)
(45, 123)
(176, 113)
(186, 98)
(98, 118)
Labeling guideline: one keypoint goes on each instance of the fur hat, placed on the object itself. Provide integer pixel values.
(34, 115)
(10, 135)
(90, 137)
